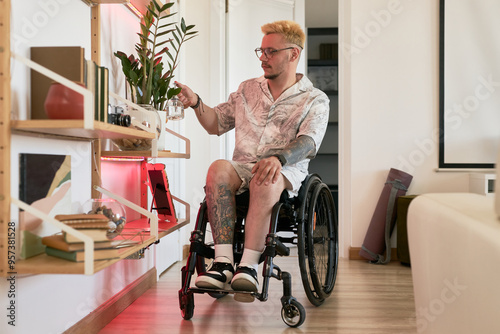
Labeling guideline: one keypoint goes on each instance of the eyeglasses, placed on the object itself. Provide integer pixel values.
(269, 52)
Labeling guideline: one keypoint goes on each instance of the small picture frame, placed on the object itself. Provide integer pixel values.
(162, 200)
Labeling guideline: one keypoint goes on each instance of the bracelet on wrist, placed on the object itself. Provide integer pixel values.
(197, 102)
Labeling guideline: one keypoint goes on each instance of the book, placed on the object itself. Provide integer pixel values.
(103, 94)
(78, 256)
(91, 83)
(81, 217)
(97, 234)
(57, 241)
(80, 221)
(68, 61)
(97, 92)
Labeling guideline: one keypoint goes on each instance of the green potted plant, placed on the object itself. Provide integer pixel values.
(149, 75)
(145, 75)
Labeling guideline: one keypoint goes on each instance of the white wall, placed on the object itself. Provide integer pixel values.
(389, 105)
(205, 76)
(319, 13)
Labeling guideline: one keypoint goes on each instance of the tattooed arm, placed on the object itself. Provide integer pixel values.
(268, 169)
(299, 149)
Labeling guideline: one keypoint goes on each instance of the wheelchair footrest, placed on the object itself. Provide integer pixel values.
(241, 296)
(244, 297)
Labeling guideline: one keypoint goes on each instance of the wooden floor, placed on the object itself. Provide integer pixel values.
(367, 299)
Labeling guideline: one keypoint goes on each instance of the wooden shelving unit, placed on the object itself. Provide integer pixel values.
(65, 129)
(5, 105)
(130, 154)
(45, 264)
(75, 129)
(159, 154)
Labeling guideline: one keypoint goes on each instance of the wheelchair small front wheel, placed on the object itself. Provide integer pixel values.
(293, 313)
(186, 301)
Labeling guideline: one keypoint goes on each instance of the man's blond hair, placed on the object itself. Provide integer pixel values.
(291, 30)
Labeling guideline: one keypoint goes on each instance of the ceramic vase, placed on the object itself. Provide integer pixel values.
(63, 103)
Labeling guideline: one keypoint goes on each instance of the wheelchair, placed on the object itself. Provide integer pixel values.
(311, 220)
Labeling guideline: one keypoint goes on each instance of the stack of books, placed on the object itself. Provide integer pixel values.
(66, 246)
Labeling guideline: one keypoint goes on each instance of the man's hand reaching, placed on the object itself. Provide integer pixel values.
(186, 96)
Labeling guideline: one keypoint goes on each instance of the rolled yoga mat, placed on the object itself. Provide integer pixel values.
(378, 236)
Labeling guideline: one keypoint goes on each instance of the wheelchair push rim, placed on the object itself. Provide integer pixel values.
(317, 241)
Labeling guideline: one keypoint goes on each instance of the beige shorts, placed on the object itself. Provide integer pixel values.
(294, 176)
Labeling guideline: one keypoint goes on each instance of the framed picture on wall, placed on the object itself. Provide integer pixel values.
(324, 78)
(45, 184)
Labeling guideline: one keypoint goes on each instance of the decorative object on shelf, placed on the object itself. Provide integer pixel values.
(175, 109)
(63, 102)
(117, 116)
(144, 75)
(140, 119)
(110, 208)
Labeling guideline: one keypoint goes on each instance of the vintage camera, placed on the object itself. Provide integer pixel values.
(117, 116)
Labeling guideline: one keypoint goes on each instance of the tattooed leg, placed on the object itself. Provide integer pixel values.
(221, 213)
(222, 183)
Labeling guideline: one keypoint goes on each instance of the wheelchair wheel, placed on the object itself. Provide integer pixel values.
(293, 313)
(318, 241)
(186, 302)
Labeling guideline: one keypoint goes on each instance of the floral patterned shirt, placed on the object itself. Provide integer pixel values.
(264, 126)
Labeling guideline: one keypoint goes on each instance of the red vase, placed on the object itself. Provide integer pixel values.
(63, 102)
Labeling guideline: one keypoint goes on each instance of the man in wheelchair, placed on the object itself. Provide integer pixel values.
(279, 120)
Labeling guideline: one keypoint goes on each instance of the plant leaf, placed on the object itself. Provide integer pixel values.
(169, 55)
(166, 25)
(158, 8)
(183, 25)
(164, 33)
(174, 47)
(187, 39)
(173, 92)
(166, 6)
(176, 38)
(178, 30)
(162, 43)
(167, 16)
(152, 10)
